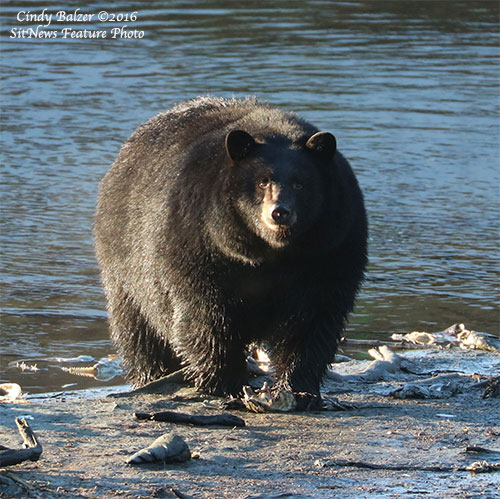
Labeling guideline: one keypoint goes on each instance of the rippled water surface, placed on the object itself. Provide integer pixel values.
(410, 89)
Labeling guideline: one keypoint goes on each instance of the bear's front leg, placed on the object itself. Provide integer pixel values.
(211, 350)
(301, 360)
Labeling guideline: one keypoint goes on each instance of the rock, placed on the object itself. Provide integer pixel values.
(169, 448)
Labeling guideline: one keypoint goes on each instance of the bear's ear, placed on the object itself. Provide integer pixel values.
(322, 142)
(239, 144)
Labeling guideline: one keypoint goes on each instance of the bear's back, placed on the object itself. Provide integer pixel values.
(208, 120)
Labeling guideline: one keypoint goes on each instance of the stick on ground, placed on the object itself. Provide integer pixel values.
(180, 417)
(478, 467)
(32, 451)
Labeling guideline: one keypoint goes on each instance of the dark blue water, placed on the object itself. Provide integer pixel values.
(410, 89)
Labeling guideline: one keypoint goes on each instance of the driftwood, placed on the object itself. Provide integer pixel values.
(477, 448)
(178, 494)
(160, 386)
(477, 467)
(492, 388)
(397, 345)
(31, 452)
(180, 417)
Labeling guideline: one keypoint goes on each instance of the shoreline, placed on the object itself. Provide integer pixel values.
(87, 441)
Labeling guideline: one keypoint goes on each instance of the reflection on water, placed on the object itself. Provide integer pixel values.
(409, 88)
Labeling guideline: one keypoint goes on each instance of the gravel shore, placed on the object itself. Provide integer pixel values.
(86, 442)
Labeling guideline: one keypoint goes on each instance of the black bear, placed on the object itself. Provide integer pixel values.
(224, 223)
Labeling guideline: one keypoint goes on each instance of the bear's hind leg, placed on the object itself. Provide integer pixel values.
(146, 353)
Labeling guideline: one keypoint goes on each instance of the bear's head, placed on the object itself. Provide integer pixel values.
(279, 187)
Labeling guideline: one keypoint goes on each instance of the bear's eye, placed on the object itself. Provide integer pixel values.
(297, 186)
(263, 183)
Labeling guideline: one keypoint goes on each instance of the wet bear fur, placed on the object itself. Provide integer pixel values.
(224, 223)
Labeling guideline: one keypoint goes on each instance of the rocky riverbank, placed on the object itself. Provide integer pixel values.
(395, 442)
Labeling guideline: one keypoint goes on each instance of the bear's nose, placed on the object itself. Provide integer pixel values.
(281, 215)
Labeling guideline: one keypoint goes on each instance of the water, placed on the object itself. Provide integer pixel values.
(410, 90)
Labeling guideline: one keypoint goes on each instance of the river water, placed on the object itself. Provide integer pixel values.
(410, 89)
